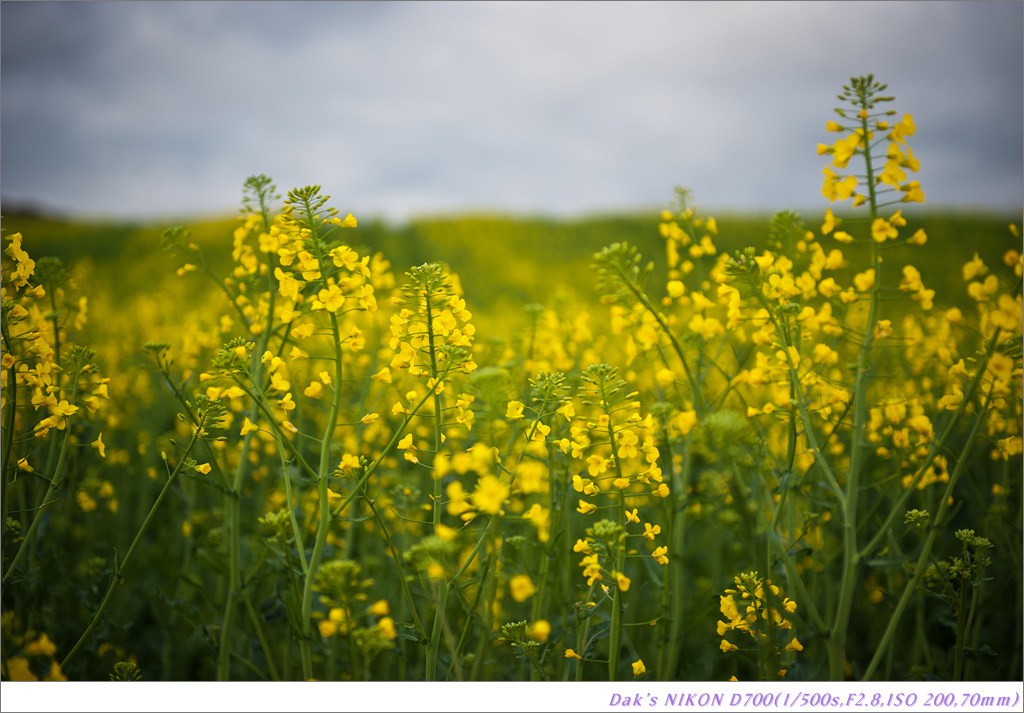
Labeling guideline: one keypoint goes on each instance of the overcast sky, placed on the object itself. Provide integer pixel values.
(156, 109)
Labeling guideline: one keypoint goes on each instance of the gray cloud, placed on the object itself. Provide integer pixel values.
(161, 108)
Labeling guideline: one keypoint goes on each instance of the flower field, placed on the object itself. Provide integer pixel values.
(300, 446)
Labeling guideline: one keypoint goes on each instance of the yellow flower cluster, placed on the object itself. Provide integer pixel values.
(432, 334)
(764, 612)
(619, 458)
(859, 129)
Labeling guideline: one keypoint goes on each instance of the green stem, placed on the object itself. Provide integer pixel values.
(119, 568)
(295, 592)
(51, 491)
(9, 413)
(324, 524)
(961, 633)
(289, 499)
(675, 577)
(54, 317)
(548, 556)
(615, 635)
(232, 523)
(442, 598)
(584, 632)
(975, 596)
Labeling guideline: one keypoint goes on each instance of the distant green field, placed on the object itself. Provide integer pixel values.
(504, 261)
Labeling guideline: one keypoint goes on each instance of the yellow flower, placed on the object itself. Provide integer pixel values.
(638, 667)
(248, 426)
(586, 508)
(521, 587)
(882, 230)
(905, 127)
(834, 260)
(830, 224)
(203, 468)
(387, 628)
(63, 409)
(571, 654)
(514, 410)
(632, 516)
(844, 149)
(567, 410)
(622, 581)
(539, 630)
(331, 299)
(584, 485)
(660, 555)
(864, 281)
(912, 192)
(837, 187)
(975, 268)
(651, 530)
(100, 446)
(794, 645)
(582, 546)
(85, 501)
(591, 568)
(41, 647)
(726, 647)
(380, 608)
(18, 669)
(489, 495)
(686, 421)
(348, 463)
(287, 403)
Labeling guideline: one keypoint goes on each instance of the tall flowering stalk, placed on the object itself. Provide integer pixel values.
(432, 338)
(293, 279)
(622, 465)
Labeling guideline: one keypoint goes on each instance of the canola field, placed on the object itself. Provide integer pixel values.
(298, 445)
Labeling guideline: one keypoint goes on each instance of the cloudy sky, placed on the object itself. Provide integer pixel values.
(154, 109)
